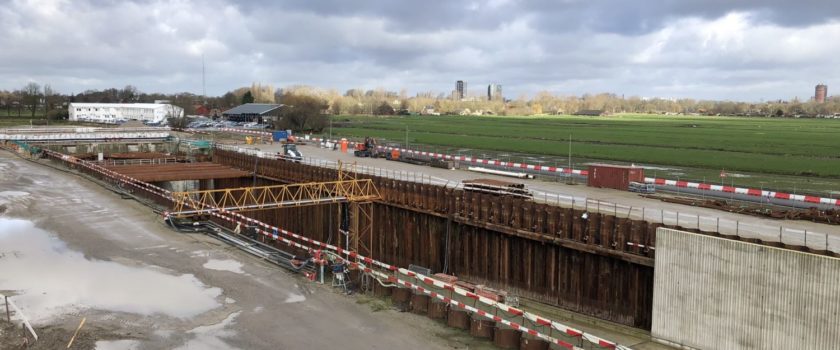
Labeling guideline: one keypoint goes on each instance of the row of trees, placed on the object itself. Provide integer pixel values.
(39, 100)
(33, 98)
(30, 98)
(357, 101)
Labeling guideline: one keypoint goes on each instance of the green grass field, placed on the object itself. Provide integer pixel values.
(786, 153)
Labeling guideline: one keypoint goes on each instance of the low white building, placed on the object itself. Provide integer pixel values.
(112, 113)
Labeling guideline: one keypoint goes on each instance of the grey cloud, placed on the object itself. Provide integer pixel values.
(641, 48)
(640, 17)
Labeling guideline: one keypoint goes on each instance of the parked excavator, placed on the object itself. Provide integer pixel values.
(366, 149)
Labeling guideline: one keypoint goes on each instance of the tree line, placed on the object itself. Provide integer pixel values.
(380, 101)
(34, 100)
(42, 100)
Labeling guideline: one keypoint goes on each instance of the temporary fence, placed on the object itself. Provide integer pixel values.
(560, 170)
(745, 191)
(137, 161)
(232, 130)
(114, 134)
(70, 129)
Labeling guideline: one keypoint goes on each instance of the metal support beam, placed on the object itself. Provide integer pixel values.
(361, 228)
(270, 197)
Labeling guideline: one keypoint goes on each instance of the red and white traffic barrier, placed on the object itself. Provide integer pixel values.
(275, 232)
(549, 169)
(232, 130)
(657, 181)
(245, 131)
(745, 191)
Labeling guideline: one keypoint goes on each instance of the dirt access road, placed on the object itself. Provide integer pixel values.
(71, 249)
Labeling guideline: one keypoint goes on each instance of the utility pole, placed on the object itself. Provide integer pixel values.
(406, 136)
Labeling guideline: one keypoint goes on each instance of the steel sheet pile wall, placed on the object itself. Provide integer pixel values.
(541, 251)
(713, 293)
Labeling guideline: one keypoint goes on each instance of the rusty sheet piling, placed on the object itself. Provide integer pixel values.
(552, 254)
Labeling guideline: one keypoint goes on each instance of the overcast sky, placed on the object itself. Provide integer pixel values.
(712, 49)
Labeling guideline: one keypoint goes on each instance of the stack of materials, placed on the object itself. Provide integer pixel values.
(497, 187)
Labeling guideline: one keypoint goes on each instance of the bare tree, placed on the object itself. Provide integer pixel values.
(128, 94)
(31, 96)
(49, 98)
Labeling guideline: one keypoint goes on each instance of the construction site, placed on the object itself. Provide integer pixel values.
(211, 240)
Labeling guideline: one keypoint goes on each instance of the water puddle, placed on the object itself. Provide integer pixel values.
(210, 337)
(52, 280)
(224, 265)
(125, 344)
(294, 298)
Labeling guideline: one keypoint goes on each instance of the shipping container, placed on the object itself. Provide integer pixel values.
(614, 176)
(280, 135)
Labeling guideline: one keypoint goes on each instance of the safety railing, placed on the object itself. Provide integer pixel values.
(108, 162)
(724, 226)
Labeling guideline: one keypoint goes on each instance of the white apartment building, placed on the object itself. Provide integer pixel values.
(113, 113)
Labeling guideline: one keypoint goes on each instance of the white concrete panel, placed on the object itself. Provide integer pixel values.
(713, 293)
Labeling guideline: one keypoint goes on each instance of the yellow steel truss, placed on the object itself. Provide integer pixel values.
(279, 196)
(361, 228)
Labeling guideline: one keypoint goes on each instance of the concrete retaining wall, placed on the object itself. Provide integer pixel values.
(713, 293)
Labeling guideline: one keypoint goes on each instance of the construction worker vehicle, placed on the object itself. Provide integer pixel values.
(290, 152)
(367, 149)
